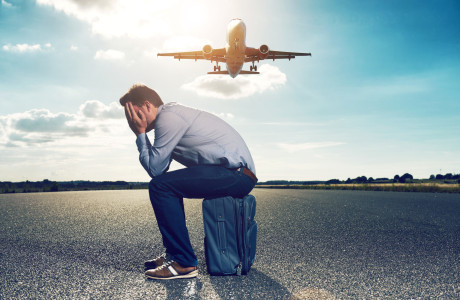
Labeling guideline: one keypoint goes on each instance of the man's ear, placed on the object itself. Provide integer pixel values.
(148, 105)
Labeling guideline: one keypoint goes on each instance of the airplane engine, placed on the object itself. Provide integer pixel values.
(263, 51)
(207, 51)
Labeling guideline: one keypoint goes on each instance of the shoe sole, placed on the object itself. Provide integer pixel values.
(188, 275)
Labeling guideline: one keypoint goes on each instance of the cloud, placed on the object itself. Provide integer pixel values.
(6, 4)
(21, 48)
(97, 109)
(132, 18)
(227, 116)
(40, 126)
(187, 42)
(306, 146)
(225, 87)
(109, 55)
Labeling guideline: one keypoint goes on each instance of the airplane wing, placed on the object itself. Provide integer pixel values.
(216, 55)
(184, 55)
(253, 55)
(285, 55)
(226, 72)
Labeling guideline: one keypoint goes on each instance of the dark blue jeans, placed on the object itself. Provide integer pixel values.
(166, 195)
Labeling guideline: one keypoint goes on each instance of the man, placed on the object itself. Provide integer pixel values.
(218, 164)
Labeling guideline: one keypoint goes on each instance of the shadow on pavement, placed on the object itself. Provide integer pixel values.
(255, 285)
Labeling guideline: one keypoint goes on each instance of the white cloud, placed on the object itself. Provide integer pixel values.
(184, 43)
(132, 18)
(40, 126)
(110, 54)
(21, 48)
(306, 146)
(97, 109)
(73, 48)
(6, 4)
(227, 116)
(225, 87)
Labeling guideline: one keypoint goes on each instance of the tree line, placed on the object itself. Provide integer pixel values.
(405, 178)
(82, 185)
(55, 186)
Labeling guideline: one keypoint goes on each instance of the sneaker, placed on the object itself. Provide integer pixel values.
(172, 270)
(156, 262)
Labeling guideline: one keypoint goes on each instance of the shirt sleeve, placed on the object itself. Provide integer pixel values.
(169, 129)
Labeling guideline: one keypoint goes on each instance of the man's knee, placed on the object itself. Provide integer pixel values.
(158, 186)
(153, 184)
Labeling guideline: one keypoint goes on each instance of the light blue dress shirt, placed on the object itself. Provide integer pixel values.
(191, 137)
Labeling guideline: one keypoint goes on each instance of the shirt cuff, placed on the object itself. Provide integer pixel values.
(143, 142)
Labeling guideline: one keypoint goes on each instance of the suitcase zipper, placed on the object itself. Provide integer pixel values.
(243, 244)
(245, 264)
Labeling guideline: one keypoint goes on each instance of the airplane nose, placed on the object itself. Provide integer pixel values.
(233, 70)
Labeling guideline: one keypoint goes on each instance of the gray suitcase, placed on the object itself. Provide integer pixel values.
(230, 234)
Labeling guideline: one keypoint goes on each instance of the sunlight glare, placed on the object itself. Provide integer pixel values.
(194, 16)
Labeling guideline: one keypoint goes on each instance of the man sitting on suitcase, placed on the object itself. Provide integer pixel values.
(218, 164)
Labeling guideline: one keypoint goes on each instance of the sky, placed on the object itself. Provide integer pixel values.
(379, 96)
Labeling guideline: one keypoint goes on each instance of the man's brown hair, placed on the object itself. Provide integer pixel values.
(139, 93)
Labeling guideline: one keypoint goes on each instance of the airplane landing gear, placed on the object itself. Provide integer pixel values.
(217, 67)
(253, 67)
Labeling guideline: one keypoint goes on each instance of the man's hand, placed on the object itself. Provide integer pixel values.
(136, 120)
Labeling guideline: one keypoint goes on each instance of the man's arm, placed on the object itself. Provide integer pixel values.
(169, 129)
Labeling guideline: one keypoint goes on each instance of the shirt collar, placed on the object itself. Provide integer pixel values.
(160, 108)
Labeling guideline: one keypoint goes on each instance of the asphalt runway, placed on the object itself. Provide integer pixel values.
(311, 245)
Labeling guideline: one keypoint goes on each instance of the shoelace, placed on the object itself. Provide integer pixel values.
(166, 264)
(166, 256)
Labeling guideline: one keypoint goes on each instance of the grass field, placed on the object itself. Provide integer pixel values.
(386, 187)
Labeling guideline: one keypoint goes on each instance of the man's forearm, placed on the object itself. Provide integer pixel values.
(144, 147)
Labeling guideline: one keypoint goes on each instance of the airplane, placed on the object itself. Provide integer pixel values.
(235, 53)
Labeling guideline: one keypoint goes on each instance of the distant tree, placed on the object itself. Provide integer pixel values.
(348, 180)
(457, 176)
(406, 177)
(370, 180)
(432, 177)
(333, 181)
(54, 187)
(361, 179)
(439, 176)
(448, 176)
(396, 178)
(382, 179)
(27, 188)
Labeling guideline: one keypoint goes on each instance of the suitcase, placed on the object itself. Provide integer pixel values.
(230, 234)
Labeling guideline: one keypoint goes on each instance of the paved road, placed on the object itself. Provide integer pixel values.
(311, 245)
